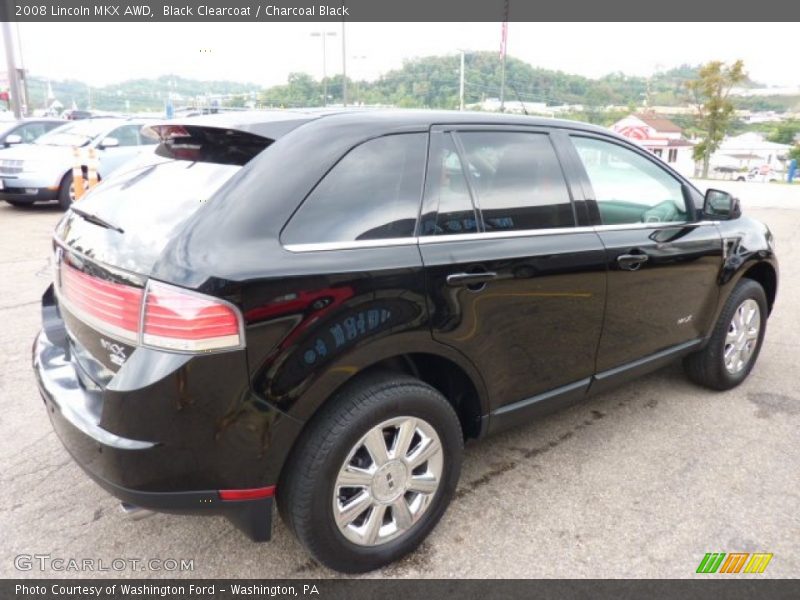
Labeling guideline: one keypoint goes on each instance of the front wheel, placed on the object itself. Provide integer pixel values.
(66, 191)
(373, 473)
(734, 345)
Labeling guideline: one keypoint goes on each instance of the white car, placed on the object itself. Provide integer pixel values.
(43, 170)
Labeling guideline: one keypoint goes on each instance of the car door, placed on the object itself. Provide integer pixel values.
(127, 137)
(663, 263)
(516, 281)
(29, 132)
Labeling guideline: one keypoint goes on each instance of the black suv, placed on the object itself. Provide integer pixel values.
(321, 307)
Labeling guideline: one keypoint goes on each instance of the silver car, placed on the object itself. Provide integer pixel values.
(43, 170)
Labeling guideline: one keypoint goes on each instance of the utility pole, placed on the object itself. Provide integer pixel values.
(461, 84)
(11, 67)
(503, 49)
(323, 34)
(344, 63)
(22, 70)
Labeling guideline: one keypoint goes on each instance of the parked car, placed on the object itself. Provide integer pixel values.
(763, 173)
(75, 114)
(322, 308)
(26, 131)
(43, 170)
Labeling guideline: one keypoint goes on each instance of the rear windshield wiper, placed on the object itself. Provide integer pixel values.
(96, 220)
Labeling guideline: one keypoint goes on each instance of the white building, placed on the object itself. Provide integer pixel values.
(660, 136)
(750, 150)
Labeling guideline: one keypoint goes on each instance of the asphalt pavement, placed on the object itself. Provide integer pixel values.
(638, 482)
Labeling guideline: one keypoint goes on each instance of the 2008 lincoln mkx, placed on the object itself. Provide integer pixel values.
(321, 307)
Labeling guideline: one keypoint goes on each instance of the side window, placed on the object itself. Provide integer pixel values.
(518, 180)
(30, 132)
(372, 193)
(446, 191)
(628, 187)
(127, 135)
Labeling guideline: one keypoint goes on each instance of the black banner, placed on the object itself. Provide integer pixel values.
(395, 10)
(370, 589)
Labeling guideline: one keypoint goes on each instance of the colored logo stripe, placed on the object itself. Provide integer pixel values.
(758, 563)
(713, 562)
(734, 562)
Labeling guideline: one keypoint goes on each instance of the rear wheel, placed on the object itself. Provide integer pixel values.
(735, 342)
(373, 473)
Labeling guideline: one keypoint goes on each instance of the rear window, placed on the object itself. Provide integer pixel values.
(149, 202)
(372, 193)
(206, 144)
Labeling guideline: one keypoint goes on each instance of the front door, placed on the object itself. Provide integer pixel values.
(516, 284)
(663, 265)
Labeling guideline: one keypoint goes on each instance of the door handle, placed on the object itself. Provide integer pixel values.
(470, 279)
(631, 262)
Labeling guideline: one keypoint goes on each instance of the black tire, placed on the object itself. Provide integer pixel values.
(64, 197)
(707, 366)
(305, 491)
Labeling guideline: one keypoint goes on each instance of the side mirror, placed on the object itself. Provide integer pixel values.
(721, 205)
(109, 142)
(13, 139)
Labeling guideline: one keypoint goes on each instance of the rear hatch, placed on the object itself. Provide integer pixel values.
(107, 244)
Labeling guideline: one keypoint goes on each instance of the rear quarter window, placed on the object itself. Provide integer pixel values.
(372, 193)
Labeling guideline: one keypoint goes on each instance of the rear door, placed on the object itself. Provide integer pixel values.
(517, 279)
(663, 264)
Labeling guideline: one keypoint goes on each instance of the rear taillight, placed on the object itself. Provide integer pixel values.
(160, 315)
(102, 304)
(177, 319)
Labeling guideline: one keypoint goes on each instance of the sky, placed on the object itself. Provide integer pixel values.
(265, 53)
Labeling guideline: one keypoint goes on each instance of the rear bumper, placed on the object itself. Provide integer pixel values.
(180, 472)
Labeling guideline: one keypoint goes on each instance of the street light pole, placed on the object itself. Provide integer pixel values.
(344, 64)
(323, 34)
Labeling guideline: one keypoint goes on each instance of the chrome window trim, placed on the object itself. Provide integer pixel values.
(490, 235)
(350, 245)
(501, 235)
(654, 225)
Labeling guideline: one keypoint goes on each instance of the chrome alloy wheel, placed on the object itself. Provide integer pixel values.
(742, 336)
(387, 481)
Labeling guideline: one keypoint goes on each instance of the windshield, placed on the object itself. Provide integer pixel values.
(79, 133)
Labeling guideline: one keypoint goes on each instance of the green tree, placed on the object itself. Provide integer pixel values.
(785, 132)
(238, 101)
(710, 92)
